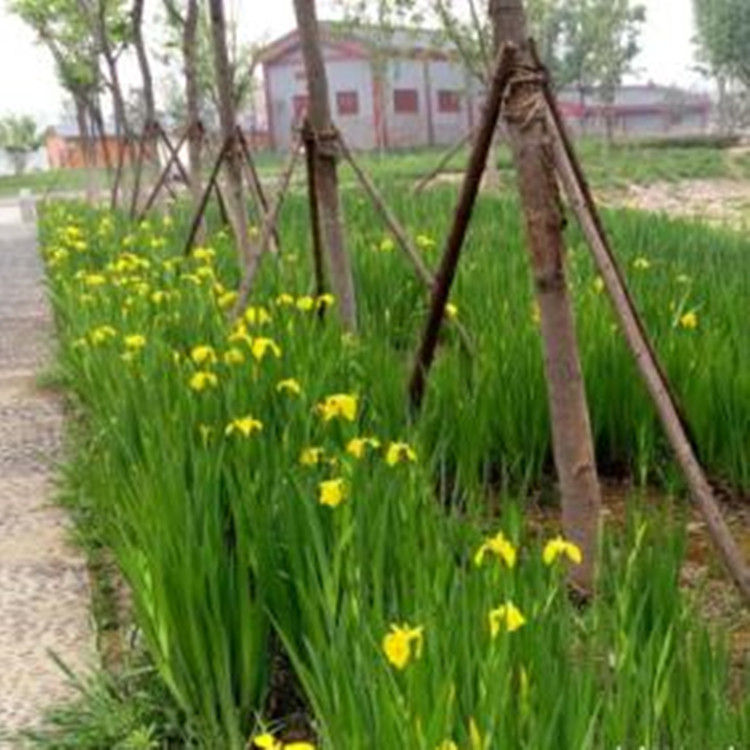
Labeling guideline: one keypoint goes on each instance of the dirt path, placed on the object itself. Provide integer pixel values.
(44, 598)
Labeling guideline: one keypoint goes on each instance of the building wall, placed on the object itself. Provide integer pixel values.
(425, 99)
(287, 87)
(67, 153)
(449, 78)
(405, 130)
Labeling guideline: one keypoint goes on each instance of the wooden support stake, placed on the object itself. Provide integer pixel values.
(269, 224)
(160, 183)
(452, 253)
(308, 138)
(423, 272)
(121, 148)
(201, 208)
(423, 182)
(583, 205)
(222, 204)
(174, 152)
(256, 187)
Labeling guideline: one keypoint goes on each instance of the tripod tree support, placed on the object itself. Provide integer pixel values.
(319, 113)
(583, 205)
(402, 238)
(269, 225)
(529, 137)
(228, 120)
(256, 186)
(470, 188)
(200, 209)
(308, 138)
(163, 176)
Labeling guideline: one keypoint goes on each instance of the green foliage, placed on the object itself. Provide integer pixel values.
(63, 26)
(598, 43)
(128, 711)
(19, 137)
(243, 61)
(723, 34)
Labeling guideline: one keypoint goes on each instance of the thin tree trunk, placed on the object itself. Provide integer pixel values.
(227, 116)
(582, 203)
(86, 150)
(571, 431)
(140, 51)
(339, 269)
(192, 98)
(147, 148)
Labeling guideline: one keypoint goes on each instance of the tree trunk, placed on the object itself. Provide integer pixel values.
(571, 432)
(192, 98)
(725, 127)
(140, 51)
(86, 149)
(339, 269)
(227, 117)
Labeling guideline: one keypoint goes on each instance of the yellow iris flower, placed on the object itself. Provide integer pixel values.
(497, 545)
(403, 643)
(340, 405)
(506, 616)
(559, 547)
(332, 492)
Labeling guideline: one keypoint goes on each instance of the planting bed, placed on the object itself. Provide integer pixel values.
(280, 522)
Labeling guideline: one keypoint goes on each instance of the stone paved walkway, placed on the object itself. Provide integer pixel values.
(44, 597)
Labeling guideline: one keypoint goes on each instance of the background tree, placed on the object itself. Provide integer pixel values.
(615, 30)
(139, 44)
(183, 20)
(723, 39)
(20, 138)
(228, 120)
(61, 27)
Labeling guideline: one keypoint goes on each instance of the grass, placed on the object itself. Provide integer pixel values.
(624, 163)
(360, 558)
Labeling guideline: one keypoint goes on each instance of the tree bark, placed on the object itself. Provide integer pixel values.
(227, 116)
(667, 407)
(571, 431)
(192, 98)
(339, 269)
(149, 105)
(86, 149)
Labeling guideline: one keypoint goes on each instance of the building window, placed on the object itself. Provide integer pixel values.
(347, 103)
(449, 101)
(299, 107)
(405, 101)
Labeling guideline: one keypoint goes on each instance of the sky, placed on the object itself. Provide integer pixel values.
(28, 83)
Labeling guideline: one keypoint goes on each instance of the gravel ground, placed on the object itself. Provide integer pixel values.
(44, 595)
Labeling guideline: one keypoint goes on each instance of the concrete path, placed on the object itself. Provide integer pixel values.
(44, 597)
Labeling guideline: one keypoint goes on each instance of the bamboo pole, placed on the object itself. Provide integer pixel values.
(402, 237)
(467, 198)
(581, 201)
